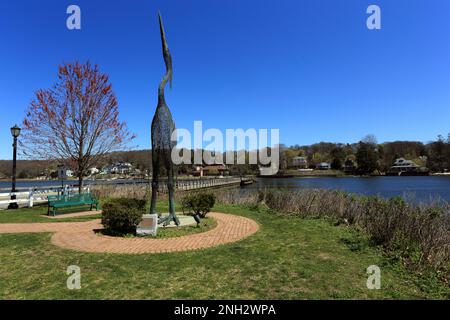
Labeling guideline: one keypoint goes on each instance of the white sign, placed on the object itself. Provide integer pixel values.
(62, 172)
(148, 225)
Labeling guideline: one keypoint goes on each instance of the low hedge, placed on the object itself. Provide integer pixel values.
(122, 215)
(198, 204)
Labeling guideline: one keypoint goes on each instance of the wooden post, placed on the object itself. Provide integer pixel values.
(30, 198)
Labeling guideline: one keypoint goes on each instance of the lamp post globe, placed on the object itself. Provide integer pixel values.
(15, 132)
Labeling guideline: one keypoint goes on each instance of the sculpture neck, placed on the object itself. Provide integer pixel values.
(162, 85)
(161, 101)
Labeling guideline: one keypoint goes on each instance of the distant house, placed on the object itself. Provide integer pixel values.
(324, 166)
(210, 170)
(93, 171)
(216, 169)
(403, 163)
(124, 167)
(299, 162)
(406, 167)
(119, 167)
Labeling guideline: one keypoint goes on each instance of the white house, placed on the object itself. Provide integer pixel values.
(402, 162)
(119, 167)
(324, 166)
(93, 171)
(300, 162)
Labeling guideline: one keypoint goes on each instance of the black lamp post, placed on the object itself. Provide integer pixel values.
(15, 132)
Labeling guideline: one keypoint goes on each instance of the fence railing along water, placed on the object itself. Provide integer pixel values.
(39, 194)
(36, 195)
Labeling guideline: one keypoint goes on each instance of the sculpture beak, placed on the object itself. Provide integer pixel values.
(165, 48)
(163, 34)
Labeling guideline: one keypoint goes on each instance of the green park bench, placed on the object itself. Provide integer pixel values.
(64, 201)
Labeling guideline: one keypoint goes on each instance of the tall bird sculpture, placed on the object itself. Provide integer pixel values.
(162, 145)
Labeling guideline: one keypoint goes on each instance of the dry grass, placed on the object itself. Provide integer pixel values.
(138, 191)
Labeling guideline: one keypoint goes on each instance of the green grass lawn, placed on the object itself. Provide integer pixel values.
(289, 258)
(38, 213)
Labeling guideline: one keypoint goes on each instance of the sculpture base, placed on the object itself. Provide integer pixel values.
(184, 220)
(168, 219)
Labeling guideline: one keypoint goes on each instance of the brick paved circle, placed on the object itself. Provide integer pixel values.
(80, 236)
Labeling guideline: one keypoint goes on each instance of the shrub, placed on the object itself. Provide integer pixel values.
(122, 215)
(198, 203)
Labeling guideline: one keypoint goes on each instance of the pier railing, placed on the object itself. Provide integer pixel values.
(195, 184)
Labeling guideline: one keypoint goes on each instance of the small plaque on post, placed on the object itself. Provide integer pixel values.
(148, 225)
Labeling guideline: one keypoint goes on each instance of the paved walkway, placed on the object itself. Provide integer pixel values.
(81, 236)
(74, 215)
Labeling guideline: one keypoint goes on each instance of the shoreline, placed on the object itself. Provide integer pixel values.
(288, 176)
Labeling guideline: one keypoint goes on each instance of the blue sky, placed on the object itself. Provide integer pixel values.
(310, 68)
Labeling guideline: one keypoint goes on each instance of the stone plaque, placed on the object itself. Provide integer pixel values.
(148, 225)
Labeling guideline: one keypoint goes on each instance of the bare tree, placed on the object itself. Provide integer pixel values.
(76, 121)
(370, 139)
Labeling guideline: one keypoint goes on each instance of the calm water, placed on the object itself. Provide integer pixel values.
(423, 189)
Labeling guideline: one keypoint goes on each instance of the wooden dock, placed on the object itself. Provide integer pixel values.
(201, 183)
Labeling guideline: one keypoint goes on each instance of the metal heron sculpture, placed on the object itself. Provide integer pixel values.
(162, 144)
